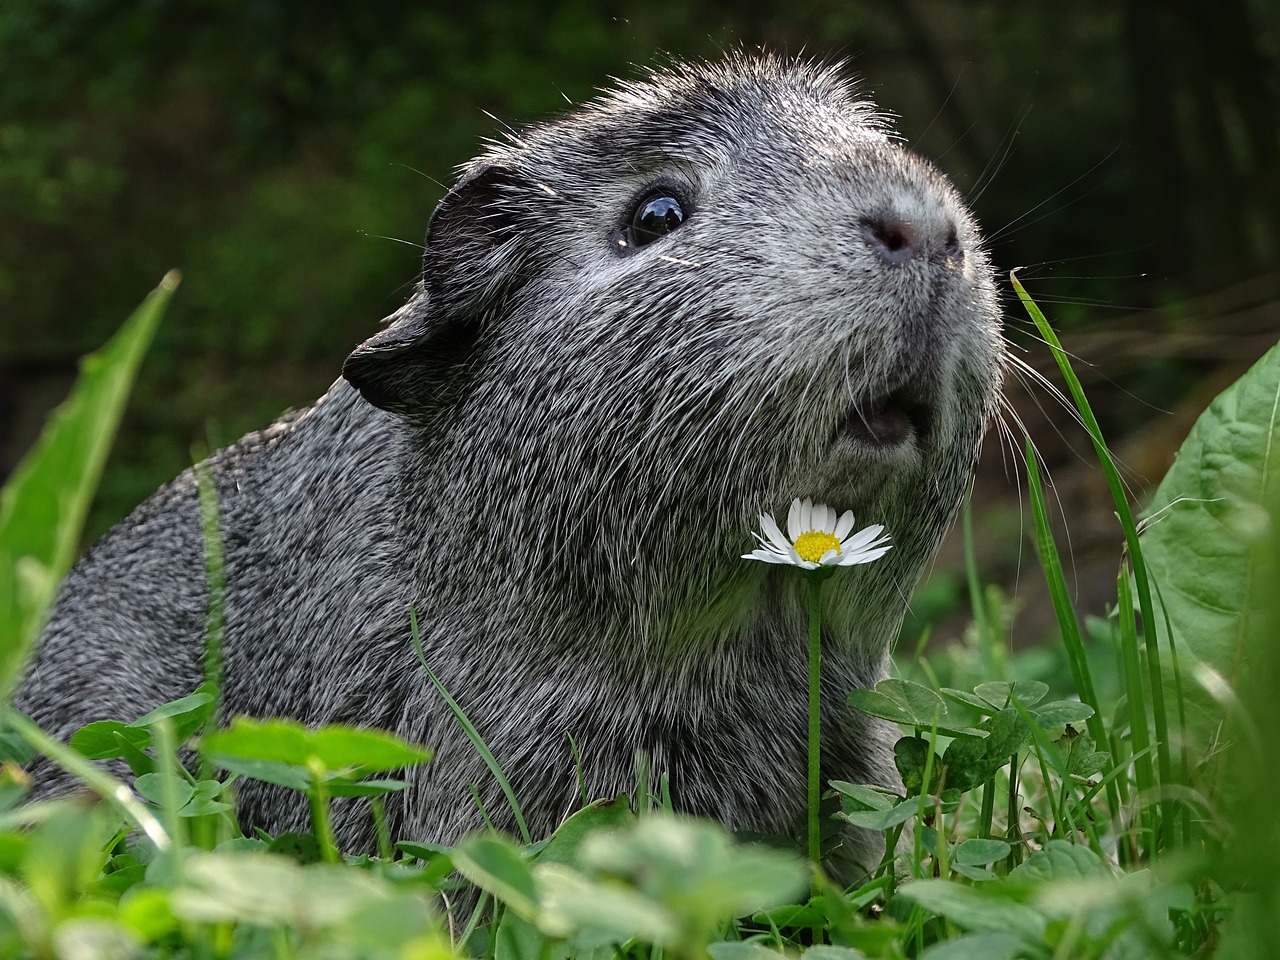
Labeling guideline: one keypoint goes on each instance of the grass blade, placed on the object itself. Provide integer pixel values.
(1142, 582)
(1051, 563)
(43, 506)
(1139, 735)
(472, 733)
(98, 780)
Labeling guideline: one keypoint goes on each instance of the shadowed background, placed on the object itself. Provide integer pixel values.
(287, 161)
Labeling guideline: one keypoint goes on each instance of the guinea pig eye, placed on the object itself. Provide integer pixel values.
(655, 217)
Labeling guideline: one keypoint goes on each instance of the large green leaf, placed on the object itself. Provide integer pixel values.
(42, 507)
(973, 908)
(286, 743)
(494, 863)
(1203, 537)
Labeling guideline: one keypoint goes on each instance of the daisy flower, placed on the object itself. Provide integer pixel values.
(816, 538)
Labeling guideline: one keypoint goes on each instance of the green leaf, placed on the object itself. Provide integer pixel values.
(1008, 733)
(971, 700)
(299, 847)
(978, 946)
(151, 787)
(1061, 712)
(262, 889)
(901, 701)
(12, 747)
(562, 847)
(911, 757)
(13, 847)
(339, 786)
(425, 852)
(206, 799)
(146, 911)
(974, 908)
(248, 743)
(268, 771)
(970, 761)
(187, 713)
(88, 936)
(372, 751)
(1000, 693)
(882, 819)
(574, 904)
(739, 950)
(975, 873)
(14, 786)
(1202, 534)
(991, 698)
(791, 915)
(1141, 583)
(824, 951)
(436, 857)
(979, 851)
(495, 864)
(273, 741)
(42, 507)
(695, 868)
(102, 740)
(1082, 760)
(136, 757)
(1059, 860)
(873, 807)
(65, 854)
(320, 910)
(866, 797)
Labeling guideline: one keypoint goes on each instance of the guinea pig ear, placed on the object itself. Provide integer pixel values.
(471, 233)
(405, 368)
(414, 364)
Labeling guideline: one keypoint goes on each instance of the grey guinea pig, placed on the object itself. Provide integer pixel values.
(638, 326)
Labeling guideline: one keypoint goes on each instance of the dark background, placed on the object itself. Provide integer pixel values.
(286, 160)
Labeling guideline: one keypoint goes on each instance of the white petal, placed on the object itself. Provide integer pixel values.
(819, 519)
(812, 517)
(793, 520)
(864, 556)
(806, 516)
(768, 556)
(770, 546)
(829, 558)
(831, 521)
(863, 537)
(843, 525)
(775, 536)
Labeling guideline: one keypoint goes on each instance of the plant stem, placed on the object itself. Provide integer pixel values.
(815, 720)
(162, 731)
(319, 797)
(1013, 828)
(988, 813)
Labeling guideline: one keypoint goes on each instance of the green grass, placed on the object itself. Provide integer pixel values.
(1125, 813)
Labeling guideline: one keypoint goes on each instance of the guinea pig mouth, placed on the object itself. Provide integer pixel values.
(887, 421)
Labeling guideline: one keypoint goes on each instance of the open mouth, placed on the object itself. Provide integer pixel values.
(887, 421)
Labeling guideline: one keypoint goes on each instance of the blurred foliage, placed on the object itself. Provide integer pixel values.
(286, 159)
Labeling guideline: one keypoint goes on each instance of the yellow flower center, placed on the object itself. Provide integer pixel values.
(812, 544)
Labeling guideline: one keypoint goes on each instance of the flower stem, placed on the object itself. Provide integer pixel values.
(815, 722)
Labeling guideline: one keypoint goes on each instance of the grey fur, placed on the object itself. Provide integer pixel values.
(559, 455)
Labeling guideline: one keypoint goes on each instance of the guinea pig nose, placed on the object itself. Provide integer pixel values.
(896, 240)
